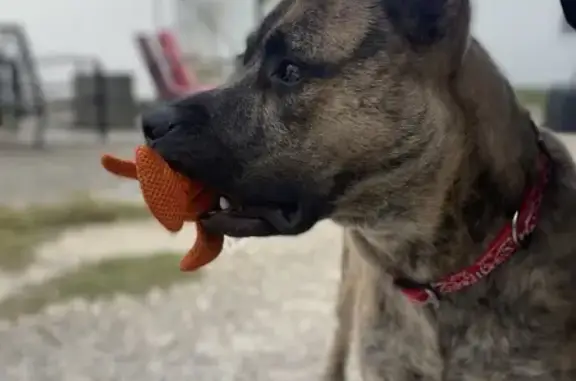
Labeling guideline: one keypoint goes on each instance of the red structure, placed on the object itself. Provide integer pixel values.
(165, 64)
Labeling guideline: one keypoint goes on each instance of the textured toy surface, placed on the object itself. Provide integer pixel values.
(172, 199)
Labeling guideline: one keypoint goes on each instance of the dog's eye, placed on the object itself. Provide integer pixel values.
(288, 72)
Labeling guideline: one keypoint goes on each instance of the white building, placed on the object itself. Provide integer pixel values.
(523, 35)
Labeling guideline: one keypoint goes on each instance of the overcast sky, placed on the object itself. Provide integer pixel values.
(523, 35)
(525, 38)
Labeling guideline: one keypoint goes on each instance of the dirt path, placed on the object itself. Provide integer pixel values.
(262, 312)
(66, 167)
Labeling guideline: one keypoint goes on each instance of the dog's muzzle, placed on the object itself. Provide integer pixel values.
(242, 213)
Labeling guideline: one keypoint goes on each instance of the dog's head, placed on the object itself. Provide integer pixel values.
(339, 109)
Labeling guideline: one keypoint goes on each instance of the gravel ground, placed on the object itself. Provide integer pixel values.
(263, 312)
(89, 244)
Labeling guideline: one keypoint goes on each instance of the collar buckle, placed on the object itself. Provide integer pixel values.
(516, 237)
(432, 298)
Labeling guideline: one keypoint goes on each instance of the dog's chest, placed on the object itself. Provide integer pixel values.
(396, 342)
(402, 341)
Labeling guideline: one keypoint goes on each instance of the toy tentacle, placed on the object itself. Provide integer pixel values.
(119, 167)
(206, 248)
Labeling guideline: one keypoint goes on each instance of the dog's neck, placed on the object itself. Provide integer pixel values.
(501, 152)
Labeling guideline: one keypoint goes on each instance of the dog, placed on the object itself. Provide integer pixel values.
(389, 118)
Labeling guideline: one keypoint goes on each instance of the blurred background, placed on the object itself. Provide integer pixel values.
(89, 285)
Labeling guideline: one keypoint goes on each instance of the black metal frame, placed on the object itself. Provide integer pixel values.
(24, 67)
(28, 96)
(94, 66)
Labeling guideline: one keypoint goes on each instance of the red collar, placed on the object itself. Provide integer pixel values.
(509, 240)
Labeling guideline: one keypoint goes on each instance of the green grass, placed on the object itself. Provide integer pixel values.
(532, 96)
(21, 230)
(132, 276)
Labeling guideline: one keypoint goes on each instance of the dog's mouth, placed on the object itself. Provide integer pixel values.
(248, 212)
(241, 220)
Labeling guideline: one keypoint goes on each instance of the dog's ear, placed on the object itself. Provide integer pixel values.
(250, 46)
(426, 22)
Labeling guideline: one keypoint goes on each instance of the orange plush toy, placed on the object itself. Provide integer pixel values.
(172, 199)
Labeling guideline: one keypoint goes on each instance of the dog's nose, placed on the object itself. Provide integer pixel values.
(159, 122)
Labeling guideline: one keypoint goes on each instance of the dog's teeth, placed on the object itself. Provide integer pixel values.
(224, 203)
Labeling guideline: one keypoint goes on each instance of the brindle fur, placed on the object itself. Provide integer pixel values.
(404, 132)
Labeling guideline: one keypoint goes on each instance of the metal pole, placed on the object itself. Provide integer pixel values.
(101, 103)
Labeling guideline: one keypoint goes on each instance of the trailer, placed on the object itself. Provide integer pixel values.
(560, 108)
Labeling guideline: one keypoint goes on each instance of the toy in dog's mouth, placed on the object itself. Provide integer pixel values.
(174, 199)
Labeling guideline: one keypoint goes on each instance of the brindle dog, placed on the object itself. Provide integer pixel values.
(387, 117)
